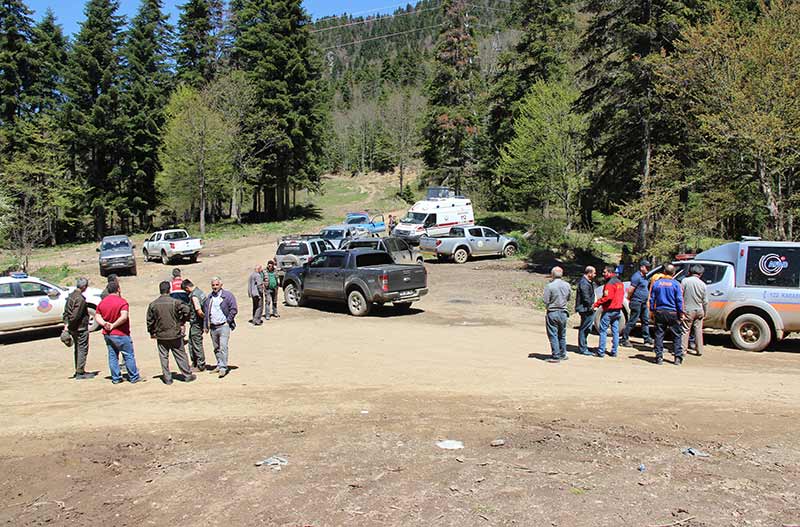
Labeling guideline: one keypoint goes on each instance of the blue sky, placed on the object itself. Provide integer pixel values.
(70, 12)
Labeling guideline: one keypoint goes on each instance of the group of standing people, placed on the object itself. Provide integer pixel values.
(678, 309)
(179, 303)
(262, 288)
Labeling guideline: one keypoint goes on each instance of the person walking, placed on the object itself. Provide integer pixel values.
(271, 284)
(695, 305)
(220, 312)
(113, 315)
(197, 355)
(176, 286)
(666, 303)
(638, 296)
(584, 300)
(166, 316)
(556, 297)
(255, 290)
(76, 322)
(611, 302)
(392, 223)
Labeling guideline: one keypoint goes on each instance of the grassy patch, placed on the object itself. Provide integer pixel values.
(57, 274)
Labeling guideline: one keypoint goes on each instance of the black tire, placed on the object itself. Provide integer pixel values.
(193, 258)
(133, 271)
(357, 304)
(420, 260)
(164, 258)
(402, 307)
(292, 295)
(460, 256)
(750, 332)
(509, 250)
(103, 273)
(441, 258)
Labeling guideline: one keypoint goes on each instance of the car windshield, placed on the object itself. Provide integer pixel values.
(332, 234)
(414, 217)
(356, 220)
(176, 235)
(372, 259)
(297, 249)
(114, 244)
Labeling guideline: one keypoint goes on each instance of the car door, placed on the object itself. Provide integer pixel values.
(390, 245)
(333, 275)
(10, 307)
(475, 240)
(377, 223)
(406, 252)
(38, 309)
(492, 241)
(719, 281)
(313, 284)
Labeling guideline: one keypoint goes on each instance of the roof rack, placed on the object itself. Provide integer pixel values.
(290, 237)
(751, 238)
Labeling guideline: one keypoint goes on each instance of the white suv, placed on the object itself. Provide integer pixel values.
(28, 302)
(297, 250)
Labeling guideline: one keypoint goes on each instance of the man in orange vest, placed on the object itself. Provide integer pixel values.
(176, 286)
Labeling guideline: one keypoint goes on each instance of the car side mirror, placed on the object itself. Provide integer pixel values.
(53, 293)
(97, 249)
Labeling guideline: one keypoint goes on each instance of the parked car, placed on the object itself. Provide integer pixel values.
(402, 252)
(173, 244)
(363, 220)
(359, 277)
(461, 243)
(435, 215)
(30, 302)
(116, 254)
(336, 234)
(297, 249)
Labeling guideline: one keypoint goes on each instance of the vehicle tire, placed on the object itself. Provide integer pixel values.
(461, 256)
(93, 325)
(441, 258)
(357, 304)
(509, 250)
(292, 295)
(420, 260)
(103, 273)
(402, 307)
(164, 258)
(623, 321)
(146, 255)
(133, 271)
(750, 332)
(193, 258)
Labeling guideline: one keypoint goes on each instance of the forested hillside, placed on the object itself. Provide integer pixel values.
(661, 122)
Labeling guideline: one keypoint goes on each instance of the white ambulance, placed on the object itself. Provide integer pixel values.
(435, 215)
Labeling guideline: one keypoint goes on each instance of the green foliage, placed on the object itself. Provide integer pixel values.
(544, 161)
(195, 49)
(55, 274)
(49, 47)
(16, 59)
(407, 195)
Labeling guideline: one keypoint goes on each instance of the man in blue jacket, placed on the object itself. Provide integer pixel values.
(638, 293)
(666, 303)
(220, 311)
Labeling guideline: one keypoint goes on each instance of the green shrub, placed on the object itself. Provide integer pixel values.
(54, 273)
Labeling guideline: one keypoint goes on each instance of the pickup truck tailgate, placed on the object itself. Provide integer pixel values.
(427, 244)
(405, 277)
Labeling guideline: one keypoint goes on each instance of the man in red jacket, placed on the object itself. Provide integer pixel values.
(611, 303)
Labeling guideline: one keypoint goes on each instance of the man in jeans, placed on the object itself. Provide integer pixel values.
(76, 321)
(220, 311)
(166, 316)
(197, 355)
(584, 300)
(666, 303)
(271, 284)
(556, 297)
(112, 315)
(638, 294)
(695, 304)
(611, 302)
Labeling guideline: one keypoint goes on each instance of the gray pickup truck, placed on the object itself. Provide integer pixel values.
(116, 254)
(465, 242)
(401, 251)
(359, 277)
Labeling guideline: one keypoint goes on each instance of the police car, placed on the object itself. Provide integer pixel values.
(29, 302)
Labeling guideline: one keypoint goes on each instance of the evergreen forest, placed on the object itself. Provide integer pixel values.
(660, 122)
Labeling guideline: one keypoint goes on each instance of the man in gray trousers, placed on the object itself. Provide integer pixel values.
(556, 297)
(76, 321)
(255, 290)
(220, 311)
(165, 319)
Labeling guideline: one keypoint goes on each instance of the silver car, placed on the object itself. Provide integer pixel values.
(116, 255)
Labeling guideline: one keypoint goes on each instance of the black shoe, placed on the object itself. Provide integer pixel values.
(83, 376)
(649, 342)
(553, 360)
(116, 382)
(678, 361)
(659, 361)
(626, 343)
(167, 381)
(564, 357)
(190, 378)
(223, 373)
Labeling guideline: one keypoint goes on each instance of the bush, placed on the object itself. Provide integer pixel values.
(407, 195)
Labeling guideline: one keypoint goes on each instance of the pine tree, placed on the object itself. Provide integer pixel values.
(196, 48)
(540, 55)
(50, 50)
(274, 46)
(147, 84)
(93, 113)
(16, 62)
(451, 123)
(622, 43)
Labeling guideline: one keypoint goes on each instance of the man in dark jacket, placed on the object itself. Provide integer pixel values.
(76, 321)
(666, 303)
(638, 294)
(196, 299)
(611, 302)
(111, 278)
(220, 311)
(165, 319)
(584, 301)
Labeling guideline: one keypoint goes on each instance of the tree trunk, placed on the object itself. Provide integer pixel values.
(775, 215)
(235, 204)
(402, 174)
(641, 233)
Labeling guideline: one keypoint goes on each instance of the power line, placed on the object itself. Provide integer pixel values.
(381, 37)
(377, 19)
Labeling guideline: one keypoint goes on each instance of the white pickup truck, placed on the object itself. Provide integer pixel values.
(173, 244)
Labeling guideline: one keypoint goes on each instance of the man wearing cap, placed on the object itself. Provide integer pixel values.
(638, 293)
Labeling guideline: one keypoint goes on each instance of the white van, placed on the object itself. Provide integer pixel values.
(435, 216)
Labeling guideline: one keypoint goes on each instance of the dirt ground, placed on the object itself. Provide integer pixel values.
(356, 407)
